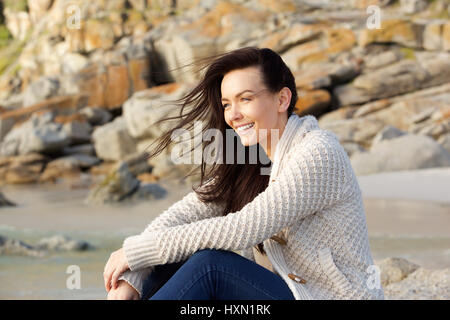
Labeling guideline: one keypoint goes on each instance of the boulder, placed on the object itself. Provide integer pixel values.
(422, 284)
(446, 36)
(395, 79)
(376, 61)
(146, 107)
(407, 152)
(148, 191)
(63, 243)
(96, 116)
(388, 132)
(395, 269)
(313, 102)
(17, 22)
(116, 186)
(432, 129)
(67, 167)
(38, 8)
(39, 134)
(73, 62)
(352, 147)
(41, 89)
(78, 132)
(112, 141)
(206, 33)
(4, 202)
(433, 35)
(400, 31)
(22, 169)
(16, 247)
(412, 6)
(86, 149)
(120, 184)
(359, 130)
(444, 141)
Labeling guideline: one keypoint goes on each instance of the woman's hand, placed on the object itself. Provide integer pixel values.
(116, 265)
(123, 292)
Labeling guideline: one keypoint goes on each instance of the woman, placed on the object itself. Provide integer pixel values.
(301, 232)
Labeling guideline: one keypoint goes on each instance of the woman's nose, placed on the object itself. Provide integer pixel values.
(235, 114)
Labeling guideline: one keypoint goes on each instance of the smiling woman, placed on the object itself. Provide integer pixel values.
(306, 218)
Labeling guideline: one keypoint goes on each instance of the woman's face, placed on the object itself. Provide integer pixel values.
(245, 100)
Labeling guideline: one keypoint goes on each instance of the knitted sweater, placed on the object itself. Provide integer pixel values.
(313, 201)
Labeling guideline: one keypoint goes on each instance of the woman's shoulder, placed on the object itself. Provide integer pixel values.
(315, 137)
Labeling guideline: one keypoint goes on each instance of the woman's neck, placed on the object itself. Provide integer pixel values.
(271, 145)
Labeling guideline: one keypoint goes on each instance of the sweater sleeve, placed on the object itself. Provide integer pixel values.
(312, 180)
(137, 279)
(189, 209)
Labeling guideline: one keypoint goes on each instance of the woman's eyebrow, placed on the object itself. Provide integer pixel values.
(238, 94)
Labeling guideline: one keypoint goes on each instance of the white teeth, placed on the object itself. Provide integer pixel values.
(245, 127)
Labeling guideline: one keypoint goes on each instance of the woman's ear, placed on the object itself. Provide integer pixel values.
(284, 99)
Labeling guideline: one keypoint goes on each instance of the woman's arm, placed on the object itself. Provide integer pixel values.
(187, 210)
(313, 179)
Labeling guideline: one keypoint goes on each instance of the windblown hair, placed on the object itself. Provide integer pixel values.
(238, 183)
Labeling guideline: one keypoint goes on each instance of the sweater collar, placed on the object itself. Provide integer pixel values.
(295, 127)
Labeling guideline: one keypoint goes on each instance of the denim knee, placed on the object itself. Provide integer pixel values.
(207, 256)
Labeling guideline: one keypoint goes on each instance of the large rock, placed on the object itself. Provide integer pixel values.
(117, 185)
(121, 185)
(86, 149)
(422, 284)
(22, 169)
(388, 132)
(112, 141)
(67, 167)
(395, 79)
(63, 243)
(110, 79)
(39, 134)
(399, 31)
(360, 130)
(16, 247)
(61, 105)
(78, 132)
(4, 202)
(312, 102)
(395, 269)
(96, 116)
(444, 141)
(433, 35)
(18, 23)
(407, 152)
(73, 62)
(42, 89)
(146, 107)
(207, 32)
(412, 6)
(38, 9)
(446, 36)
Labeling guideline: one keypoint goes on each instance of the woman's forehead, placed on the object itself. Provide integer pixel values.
(236, 83)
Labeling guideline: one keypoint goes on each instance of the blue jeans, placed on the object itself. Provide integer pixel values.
(212, 274)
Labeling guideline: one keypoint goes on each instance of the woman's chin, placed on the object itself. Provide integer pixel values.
(248, 140)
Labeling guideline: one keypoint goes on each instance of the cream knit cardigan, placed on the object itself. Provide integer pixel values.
(313, 201)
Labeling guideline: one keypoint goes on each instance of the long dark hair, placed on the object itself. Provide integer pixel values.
(235, 184)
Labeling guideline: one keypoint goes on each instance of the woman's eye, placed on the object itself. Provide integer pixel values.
(225, 105)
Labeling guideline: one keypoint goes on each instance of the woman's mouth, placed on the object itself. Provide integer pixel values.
(245, 129)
